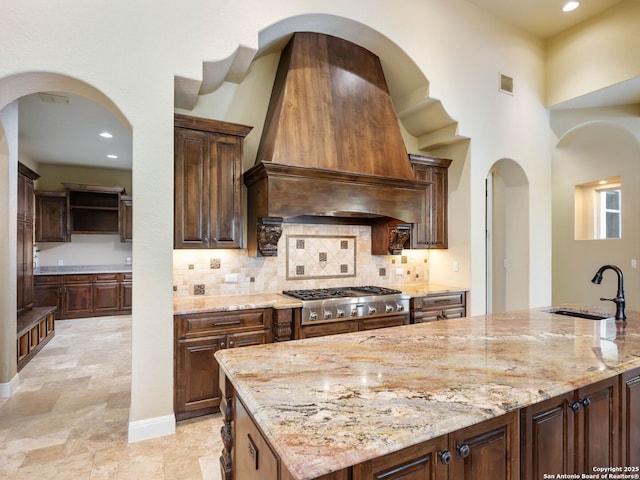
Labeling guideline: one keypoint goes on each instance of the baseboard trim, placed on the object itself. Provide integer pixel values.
(151, 428)
(9, 388)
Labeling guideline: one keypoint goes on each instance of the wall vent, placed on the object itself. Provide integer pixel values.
(506, 84)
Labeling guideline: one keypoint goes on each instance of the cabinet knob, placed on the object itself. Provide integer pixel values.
(231, 343)
(463, 450)
(586, 402)
(575, 406)
(445, 457)
(222, 344)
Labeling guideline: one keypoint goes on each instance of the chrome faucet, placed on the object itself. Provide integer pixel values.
(619, 300)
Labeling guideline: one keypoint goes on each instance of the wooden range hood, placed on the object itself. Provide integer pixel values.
(331, 149)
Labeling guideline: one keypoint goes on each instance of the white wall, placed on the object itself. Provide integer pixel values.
(457, 47)
(602, 143)
(595, 54)
(8, 235)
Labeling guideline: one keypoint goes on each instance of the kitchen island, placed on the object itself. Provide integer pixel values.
(331, 407)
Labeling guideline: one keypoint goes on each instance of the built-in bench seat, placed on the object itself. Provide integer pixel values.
(36, 327)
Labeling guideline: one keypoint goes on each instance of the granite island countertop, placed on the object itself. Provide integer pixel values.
(362, 395)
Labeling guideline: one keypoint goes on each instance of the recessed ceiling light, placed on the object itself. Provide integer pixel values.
(112, 156)
(570, 6)
(106, 135)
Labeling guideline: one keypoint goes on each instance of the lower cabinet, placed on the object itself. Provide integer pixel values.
(438, 306)
(630, 413)
(197, 337)
(85, 295)
(488, 450)
(425, 461)
(573, 433)
(112, 293)
(257, 462)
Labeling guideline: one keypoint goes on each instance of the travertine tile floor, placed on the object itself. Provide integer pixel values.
(68, 419)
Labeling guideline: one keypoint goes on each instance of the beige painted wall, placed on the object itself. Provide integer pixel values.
(591, 151)
(52, 177)
(594, 55)
(8, 235)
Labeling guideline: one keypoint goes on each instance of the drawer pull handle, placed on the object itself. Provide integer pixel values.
(225, 323)
(445, 457)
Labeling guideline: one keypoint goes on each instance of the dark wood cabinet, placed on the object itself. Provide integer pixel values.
(85, 209)
(196, 338)
(597, 426)
(434, 232)
(85, 295)
(487, 450)
(547, 434)
(51, 217)
(111, 293)
(78, 296)
(439, 306)
(630, 418)
(420, 462)
(93, 209)
(208, 183)
(126, 218)
(24, 237)
(572, 433)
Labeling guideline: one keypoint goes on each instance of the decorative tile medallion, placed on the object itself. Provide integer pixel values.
(320, 256)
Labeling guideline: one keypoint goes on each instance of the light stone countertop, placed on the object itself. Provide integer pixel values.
(227, 303)
(76, 269)
(331, 402)
(223, 303)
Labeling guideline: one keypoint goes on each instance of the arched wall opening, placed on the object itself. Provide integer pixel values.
(594, 151)
(507, 248)
(12, 88)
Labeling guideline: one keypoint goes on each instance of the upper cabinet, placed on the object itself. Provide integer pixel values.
(84, 209)
(433, 233)
(93, 209)
(51, 217)
(126, 218)
(208, 183)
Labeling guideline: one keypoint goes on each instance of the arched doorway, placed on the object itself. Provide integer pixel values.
(13, 88)
(507, 242)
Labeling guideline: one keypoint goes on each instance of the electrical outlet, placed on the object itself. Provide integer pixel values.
(456, 267)
(231, 277)
(399, 271)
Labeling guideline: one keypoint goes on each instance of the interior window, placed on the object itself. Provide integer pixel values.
(598, 210)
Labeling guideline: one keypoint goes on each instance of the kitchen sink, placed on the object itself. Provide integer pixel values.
(569, 312)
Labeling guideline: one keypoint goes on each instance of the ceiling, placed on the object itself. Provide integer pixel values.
(543, 18)
(64, 128)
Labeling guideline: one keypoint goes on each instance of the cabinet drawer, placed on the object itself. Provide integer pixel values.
(48, 279)
(440, 301)
(78, 279)
(200, 324)
(107, 277)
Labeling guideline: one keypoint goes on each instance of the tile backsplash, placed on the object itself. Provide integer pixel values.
(309, 256)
